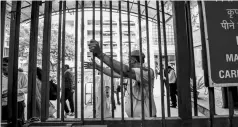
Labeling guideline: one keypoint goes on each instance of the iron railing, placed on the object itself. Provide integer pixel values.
(184, 60)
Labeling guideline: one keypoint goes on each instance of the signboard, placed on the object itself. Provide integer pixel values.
(221, 29)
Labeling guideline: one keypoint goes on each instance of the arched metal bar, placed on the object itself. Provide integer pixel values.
(161, 68)
(59, 59)
(13, 64)
(82, 62)
(101, 44)
(148, 59)
(141, 67)
(31, 98)
(111, 54)
(97, 9)
(76, 61)
(94, 96)
(166, 60)
(129, 40)
(121, 60)
(45, 62)
(3, 17)
(192, 64)
(63, 63)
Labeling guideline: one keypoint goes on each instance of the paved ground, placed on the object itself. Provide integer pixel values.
(89, 114)
(174, 111)
(203, 100)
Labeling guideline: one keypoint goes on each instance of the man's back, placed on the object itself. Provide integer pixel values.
(137, 91)
(172, 76)
(69, 80)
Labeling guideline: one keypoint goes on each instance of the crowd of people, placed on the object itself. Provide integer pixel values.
(23, 89)
(140, 83)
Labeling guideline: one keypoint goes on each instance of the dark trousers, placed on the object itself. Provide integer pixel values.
(114, 103)
(173, 93)
(20, 109)
(117, 93)
(69, 96)
(118, 101)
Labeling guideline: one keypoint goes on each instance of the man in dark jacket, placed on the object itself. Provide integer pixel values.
(69, 90)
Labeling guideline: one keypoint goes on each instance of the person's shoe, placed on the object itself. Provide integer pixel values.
(173, 106)
(72, 114)
(33, 119)
(51, 116)
(66, 114)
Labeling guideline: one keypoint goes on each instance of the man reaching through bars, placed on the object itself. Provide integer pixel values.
(133, 73)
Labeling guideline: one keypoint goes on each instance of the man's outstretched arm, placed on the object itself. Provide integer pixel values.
(106, 71)
(94, 47)
(117, 66)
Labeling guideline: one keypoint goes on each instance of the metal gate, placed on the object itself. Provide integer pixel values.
(147, 12)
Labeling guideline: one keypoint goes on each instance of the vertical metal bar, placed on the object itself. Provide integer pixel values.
(148, 58)
(76, 61)
(94, 101)
(182, 62)
(31, 96)
(204, 53)
(3, 14)
(82, 61)
(45, 62)
(59, 60)
(192, 67)
(63, 63)
(211, 104)
(231, 105)
(129, 40)
(141, 65)
(205, 66)
(160, 62)
(166, 60)
(111, 52)
(13, 63)
(101, 44)
(121, 60)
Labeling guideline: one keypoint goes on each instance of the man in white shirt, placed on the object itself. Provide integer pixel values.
(135, 74)
(22, 90)
(173, 86)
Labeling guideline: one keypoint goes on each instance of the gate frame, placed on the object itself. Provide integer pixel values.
(183, 63)
(185, 118)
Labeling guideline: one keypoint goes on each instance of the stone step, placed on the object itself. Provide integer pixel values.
(203, 107)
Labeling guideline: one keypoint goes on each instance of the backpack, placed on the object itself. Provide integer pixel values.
(53, 90)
